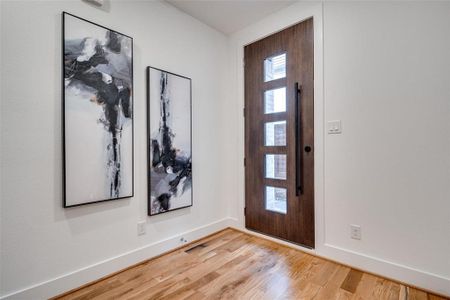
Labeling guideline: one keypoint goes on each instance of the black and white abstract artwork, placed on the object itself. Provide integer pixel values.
(169, 141)
(97, 112)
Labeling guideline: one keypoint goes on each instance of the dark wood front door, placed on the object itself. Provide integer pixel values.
(279, 134)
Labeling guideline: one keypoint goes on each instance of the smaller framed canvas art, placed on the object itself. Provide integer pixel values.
(169, 110)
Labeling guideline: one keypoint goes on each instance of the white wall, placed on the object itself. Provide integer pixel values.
(387, 70)
(386, 75)
(40, 240)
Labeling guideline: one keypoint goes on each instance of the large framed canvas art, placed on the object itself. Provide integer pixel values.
(97, 104)
(169, 141)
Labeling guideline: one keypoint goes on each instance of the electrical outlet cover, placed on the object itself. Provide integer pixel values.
(355, 232)
(141, 228)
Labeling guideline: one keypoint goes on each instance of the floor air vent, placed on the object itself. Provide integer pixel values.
(197, 247)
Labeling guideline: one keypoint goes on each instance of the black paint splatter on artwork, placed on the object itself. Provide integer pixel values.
(101, 67)
(171, 169)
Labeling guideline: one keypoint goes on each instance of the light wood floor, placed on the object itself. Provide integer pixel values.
(235, 265)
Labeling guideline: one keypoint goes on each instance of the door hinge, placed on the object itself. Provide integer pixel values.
(245, 211)
(243, 112)
(245, 161)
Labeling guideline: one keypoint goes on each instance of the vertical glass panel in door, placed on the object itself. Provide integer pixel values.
(275, 67)
(275, 101)
(276, 199)
(275, 133)
(276, 166)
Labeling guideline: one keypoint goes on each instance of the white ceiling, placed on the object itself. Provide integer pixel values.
(232, 15)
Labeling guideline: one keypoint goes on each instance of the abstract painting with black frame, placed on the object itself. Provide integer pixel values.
(97, 104)
(169, 141)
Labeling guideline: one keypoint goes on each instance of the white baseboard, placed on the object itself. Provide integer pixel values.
(414, 277)
(66, 282)
(58, 285)
(410, 276)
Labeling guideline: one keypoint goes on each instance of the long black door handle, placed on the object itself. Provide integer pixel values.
(298, 123)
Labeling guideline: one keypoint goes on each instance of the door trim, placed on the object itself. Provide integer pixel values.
(296, 222)
(279, 21)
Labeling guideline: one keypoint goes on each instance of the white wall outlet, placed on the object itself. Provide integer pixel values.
(355, 232)
(334, 127)
(141, 228)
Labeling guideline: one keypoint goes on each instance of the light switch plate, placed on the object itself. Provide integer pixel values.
(334, 127)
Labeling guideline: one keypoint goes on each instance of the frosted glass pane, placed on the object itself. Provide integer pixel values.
(276, 166)
(275, 101)
(275, 67)
(275, 133)
(276, 199)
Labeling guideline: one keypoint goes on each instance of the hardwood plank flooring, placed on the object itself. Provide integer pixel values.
(236, 265)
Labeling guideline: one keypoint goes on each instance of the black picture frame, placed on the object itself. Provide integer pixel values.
(149, 189)
(63, 113)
